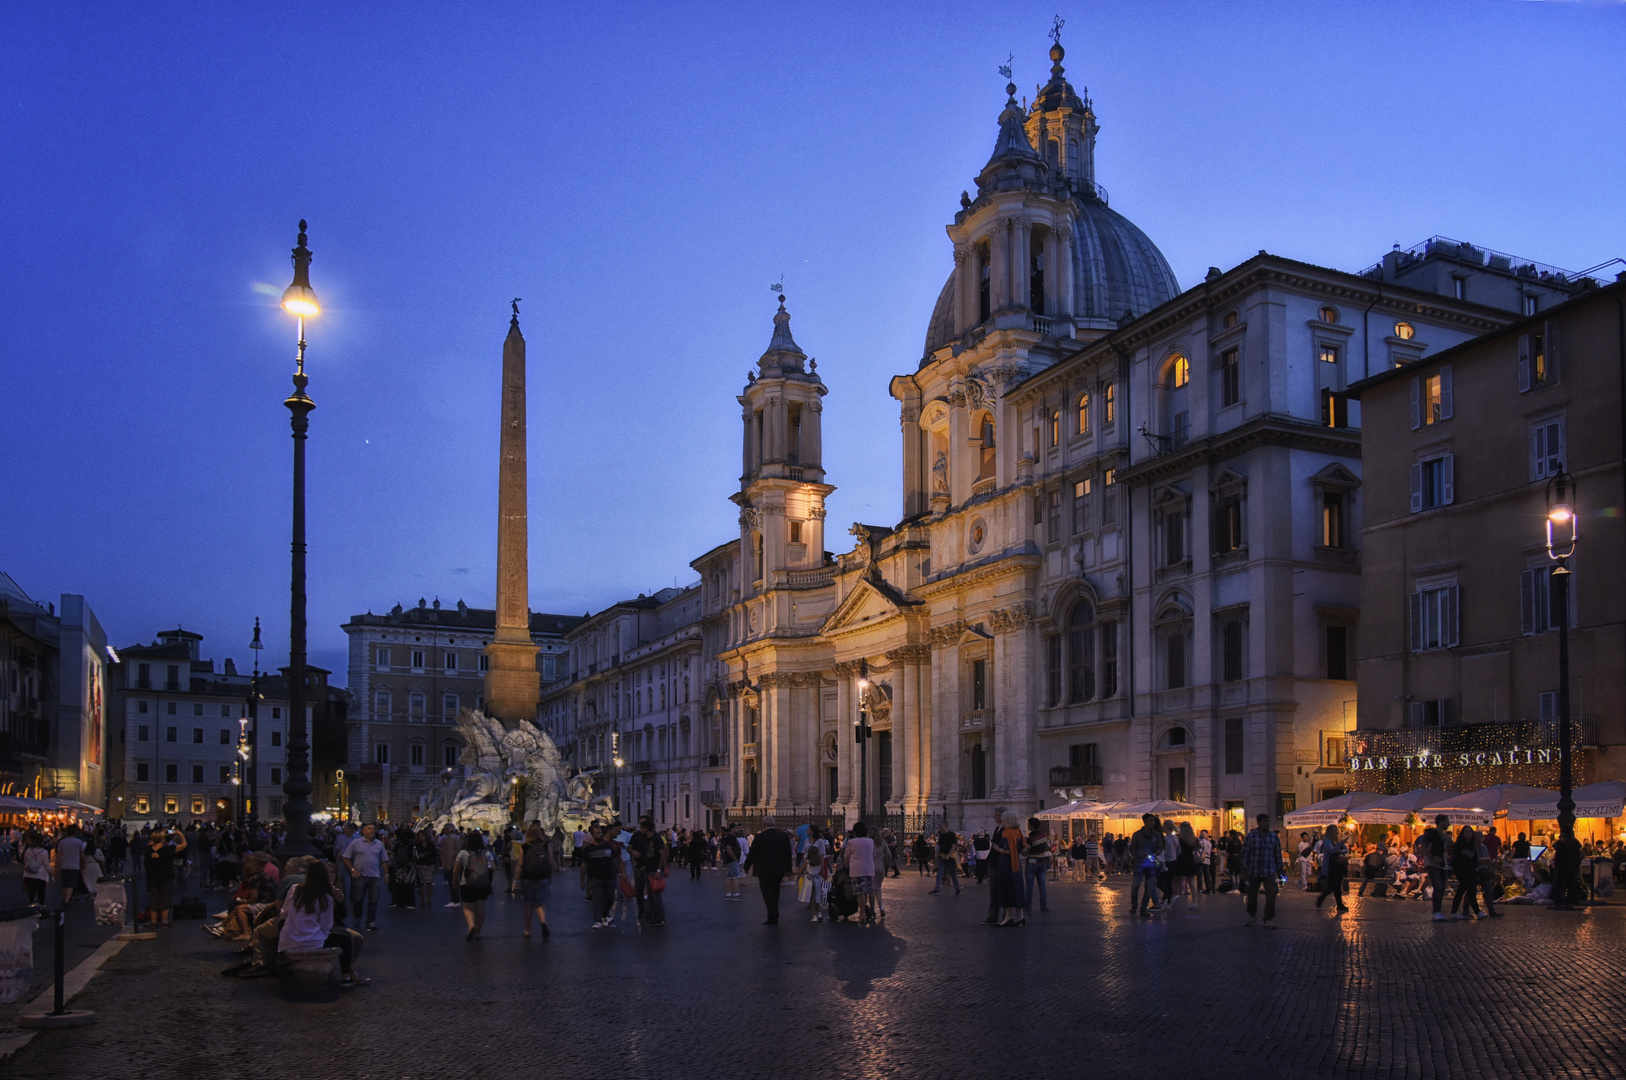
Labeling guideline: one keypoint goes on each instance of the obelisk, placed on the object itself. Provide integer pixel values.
(513, 684)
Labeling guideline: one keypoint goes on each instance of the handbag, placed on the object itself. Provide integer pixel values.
(626, 889)
(657, 883)
(804, 890)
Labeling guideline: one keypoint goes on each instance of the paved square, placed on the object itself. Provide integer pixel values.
(1084, 991)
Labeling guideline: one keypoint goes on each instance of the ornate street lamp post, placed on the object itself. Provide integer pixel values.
(862, 732)
(250, 735)
(299, 300)
(1561, 539)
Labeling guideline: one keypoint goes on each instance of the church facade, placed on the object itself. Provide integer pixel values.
(1126, 565)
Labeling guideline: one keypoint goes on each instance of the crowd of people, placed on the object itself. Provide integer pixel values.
(275, 908)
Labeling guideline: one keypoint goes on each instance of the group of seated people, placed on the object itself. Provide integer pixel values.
(299, 908)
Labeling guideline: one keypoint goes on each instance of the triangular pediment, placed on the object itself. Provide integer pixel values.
(866, 605)
(1336, 475)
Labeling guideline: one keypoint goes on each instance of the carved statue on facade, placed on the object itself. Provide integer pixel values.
(940, 484)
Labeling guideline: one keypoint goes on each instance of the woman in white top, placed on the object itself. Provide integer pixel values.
(814, 888)
(858, 856)
(36, 866)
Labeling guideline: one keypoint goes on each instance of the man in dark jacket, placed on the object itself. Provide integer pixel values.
(770, 858)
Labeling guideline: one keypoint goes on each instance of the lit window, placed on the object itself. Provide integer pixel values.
(1433, 400)
(1180, 371)
(1083, 413)
(142, 804)
(172, 805)
(1329, 314)
(1055, 427)
(1333, 533)
(1081, 494)
(1405, 331)
(1109, 404)
(1328, 354)
(1230, 320)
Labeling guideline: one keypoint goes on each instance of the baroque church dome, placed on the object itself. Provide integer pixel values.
(1115, 266)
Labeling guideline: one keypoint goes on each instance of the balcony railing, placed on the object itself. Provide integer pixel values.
(809, 579)
(1041, 325)
(1075, 776)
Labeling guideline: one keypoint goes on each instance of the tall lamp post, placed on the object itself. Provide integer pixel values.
(862, 732)
(1561, 539)
(299, 300)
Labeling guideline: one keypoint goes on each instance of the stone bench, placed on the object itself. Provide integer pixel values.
(315, 971)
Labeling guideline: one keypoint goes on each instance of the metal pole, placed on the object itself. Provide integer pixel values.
(1566, 769)
(61, 922)
(297, 786)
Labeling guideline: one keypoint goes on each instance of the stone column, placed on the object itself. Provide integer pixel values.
(779, 793)
(813, 436)
(735, 740)
(965, 289)
(999, 250)
(846, 764)
(896, 800)
(962, 456)
(1013, 701)
(1021, 273)
(915, 482)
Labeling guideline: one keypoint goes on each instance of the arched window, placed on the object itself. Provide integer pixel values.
(1174, 632)
(986, 441)
(1082, 413)
(1055, 427)
(1109, 404)
(756, 557)
(1080, 653)
(1174, 423)
(1231, 319)
(1179, 370)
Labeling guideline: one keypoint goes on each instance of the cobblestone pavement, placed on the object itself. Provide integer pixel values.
(1083, 991)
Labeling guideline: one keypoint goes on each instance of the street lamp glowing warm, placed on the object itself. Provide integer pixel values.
(299, 298)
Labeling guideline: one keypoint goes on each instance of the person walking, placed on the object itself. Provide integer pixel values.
(538, 860)
(403, 873)
(813, 886)
(1334, 869)
(365, 858)
(859, 858)
(1465, 866)
(36, 858)
(733, 857)
(1186, 869)
(449, 845)
(164, 848)
(1433, 847)
(1146, 854)
(473, 870)
(1035, 864)
(600, 870)
(696, 854)
(425, 857)
(70, 862)
(1006, 855)
(770, 855)
(1262, 868)
(947, 866)
(985, 863)
(650, 855)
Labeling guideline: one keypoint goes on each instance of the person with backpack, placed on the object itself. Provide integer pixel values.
(537, 862)
(947, 866)
(1146, 853)
(650, 853)
(1432, 847)
(472, 873)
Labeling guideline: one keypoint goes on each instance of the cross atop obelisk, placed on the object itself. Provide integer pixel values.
(513, 684)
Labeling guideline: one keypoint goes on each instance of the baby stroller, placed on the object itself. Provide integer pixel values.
(843, 899)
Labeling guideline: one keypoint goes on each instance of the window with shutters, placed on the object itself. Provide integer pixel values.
(1434, 618)
(1230, 378)
(1334, 409)
(1546, 448)
(1432, 713)
(1433, 483)
(1334, 531)
(1537, 613)
(1538, 358)
(1233, 745)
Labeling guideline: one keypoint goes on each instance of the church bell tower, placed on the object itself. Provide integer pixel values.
(782, 488)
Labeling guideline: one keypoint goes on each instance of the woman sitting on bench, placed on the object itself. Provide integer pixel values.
(307, 925)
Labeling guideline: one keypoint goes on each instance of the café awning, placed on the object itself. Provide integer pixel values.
(1067, 811)
(1163, 808)
(1394, 809)
(1606, 799)
(1483, 806)
(1331, 811)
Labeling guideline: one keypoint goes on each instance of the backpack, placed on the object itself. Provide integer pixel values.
(536, 865)
(476, 871)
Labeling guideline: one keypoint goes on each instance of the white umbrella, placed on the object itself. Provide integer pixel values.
(1065, 811)
(1483, 806)
(1331, 811)
(1163, 808)
(1605, 799)
(1395, 809)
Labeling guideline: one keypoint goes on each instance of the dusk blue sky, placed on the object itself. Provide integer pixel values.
(639, 174)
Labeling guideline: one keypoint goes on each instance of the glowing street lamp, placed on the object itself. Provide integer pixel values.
(299, 300)
(1561, 540)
